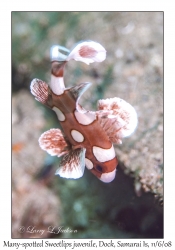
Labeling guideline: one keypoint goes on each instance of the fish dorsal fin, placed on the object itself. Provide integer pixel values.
(77, 92)
(72, 164)
(117, 117)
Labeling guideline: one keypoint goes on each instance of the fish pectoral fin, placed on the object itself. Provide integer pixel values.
(117, 117)
(40, 90)
(72, 164)
(54, 142)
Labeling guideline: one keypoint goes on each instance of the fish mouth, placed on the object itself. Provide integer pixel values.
(108, 177)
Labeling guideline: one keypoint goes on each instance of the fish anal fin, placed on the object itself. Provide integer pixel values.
(72, 164)
(41, 91)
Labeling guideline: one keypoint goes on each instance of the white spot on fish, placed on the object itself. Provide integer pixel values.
(108, 177)
(57, 85)
(86, 118)
(88, 163)
(102, 154)
(77, 136)
(60, 115)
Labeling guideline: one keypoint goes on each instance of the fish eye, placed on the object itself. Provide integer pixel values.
(99, 168)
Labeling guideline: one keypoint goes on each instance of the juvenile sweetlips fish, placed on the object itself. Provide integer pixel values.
(87, 137)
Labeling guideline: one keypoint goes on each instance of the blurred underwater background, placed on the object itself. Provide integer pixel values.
(132, 205)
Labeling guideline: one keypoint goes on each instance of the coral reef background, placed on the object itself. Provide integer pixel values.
(130, 206)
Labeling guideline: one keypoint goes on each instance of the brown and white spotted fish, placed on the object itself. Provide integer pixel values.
(87, 137)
